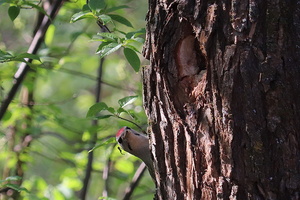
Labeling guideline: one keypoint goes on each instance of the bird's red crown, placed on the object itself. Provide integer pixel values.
(120, 131)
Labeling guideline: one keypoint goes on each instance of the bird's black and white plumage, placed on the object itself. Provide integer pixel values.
(136, 144)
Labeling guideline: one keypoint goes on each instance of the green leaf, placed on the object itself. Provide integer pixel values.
(132, 114)
(28, 55)
(130, 46)
(104, 116)
(139, 39)
(109, 141)
(111, 110)
(40, 9)
(3, 53)
(121, 20)
(135, 34)
(120, 31)
(121, 110)
(7, 115)
(5, 56)
(96, 108)
(13, 178)
(104, 19)
(50, 34)
(82, 15)
(96, 5)
(127, 100)
(135, 41)
(13, 12)
(85, 7)
(103, 44)
(16, 187)
(111, 36)
(116, 8)
(132, 58)
(108, 49)
(100, 39)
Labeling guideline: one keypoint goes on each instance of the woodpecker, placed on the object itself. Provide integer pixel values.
(136, 144)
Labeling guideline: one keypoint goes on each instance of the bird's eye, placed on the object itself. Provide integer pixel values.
(120, 140)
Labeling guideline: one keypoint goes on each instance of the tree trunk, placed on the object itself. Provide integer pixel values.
(222, 94)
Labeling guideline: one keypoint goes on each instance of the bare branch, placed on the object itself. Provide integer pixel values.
(105, 176)
(89, 166)
(135, 181)
(77, 73)
(33, 48)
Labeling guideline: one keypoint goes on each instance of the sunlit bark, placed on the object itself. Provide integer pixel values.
(222, 94)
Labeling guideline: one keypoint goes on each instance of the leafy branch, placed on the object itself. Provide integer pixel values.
(33, 48)
(111, 42)
(8, 184)
(17, 5)
(96, 112)
(97, 9)
(23, 57)
(96, 109)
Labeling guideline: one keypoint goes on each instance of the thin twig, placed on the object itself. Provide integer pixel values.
(132, 123)
(58, 136)
(56, 160)
(89, 166)
(67, 51)
(77, 73)
(31, 103)
(135, 181)
(105, 175)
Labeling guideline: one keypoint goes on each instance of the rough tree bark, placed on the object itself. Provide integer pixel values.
(222, 94)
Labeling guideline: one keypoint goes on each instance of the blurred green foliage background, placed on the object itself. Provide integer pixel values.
(55, 127)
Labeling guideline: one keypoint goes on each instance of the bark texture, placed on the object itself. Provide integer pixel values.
(222, 94)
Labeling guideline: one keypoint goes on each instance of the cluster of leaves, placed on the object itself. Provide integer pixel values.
(95, 9)
(13, 12)
(111, 42)
(23, 57)
(97, 110)
(17, 5)
(101, 106)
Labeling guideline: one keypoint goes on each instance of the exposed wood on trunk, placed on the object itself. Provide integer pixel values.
(222, 94)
